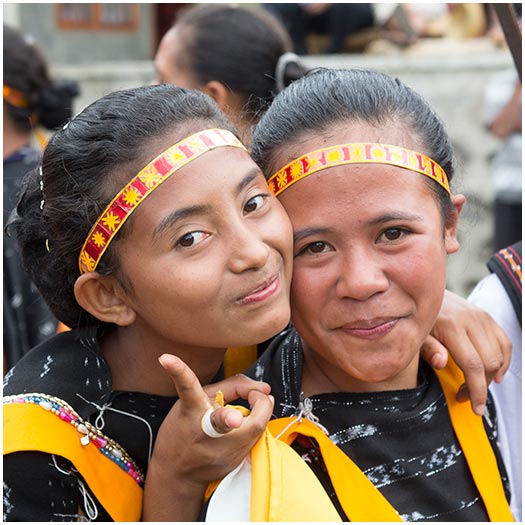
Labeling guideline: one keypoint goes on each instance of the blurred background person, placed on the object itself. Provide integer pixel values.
(337, 20)
(32, 101)
(503, 119)
(240, 56)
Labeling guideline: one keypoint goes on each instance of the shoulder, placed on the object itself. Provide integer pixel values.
(64, 366)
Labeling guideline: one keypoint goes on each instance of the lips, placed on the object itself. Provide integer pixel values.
(262, 291)
(371, 328)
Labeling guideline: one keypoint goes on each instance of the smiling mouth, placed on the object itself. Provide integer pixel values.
(261, 292)
(370, 329)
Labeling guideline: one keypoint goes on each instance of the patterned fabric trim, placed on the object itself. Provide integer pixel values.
(356, 153)
(506, 264)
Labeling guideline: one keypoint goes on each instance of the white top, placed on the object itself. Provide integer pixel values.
(490, 295)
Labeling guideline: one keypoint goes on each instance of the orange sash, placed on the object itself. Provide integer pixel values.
(29, 427)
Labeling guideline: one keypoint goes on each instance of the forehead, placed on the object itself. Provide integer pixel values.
(211, 180)
(347, 187)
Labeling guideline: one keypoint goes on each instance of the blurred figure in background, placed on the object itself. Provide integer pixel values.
(333, 19)
(240, 56)
(31, 100)
(503, 118)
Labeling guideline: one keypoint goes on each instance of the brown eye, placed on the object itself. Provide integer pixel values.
(254, 203)
(317, 247)
(190, 239)
(392, 234)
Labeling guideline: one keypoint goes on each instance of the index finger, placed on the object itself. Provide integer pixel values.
(189, 389)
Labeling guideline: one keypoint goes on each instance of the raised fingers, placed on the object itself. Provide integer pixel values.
(189, 389)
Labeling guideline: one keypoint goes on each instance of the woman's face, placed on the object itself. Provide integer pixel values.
(209, 255)
(369, 264)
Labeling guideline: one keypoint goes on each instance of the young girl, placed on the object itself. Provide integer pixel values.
(374, 164)
(148, 229)
(364, 174)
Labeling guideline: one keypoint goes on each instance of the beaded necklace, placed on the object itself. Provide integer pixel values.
(88, 433)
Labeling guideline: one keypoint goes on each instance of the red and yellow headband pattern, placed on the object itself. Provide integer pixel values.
(15, 97)
(148, 179)
(356, 153)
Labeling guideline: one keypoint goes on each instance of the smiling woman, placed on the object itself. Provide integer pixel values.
(364, 174)
(148, 229)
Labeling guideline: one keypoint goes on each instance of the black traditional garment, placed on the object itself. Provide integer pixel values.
(402, 440)
(27, 319)
(43, 487)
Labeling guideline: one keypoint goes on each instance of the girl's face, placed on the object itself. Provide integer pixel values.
(369, 264)
(209, 256)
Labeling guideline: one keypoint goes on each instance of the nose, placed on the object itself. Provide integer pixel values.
(361, 275)
(248, 251)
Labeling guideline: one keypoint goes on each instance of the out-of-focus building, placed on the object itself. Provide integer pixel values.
(87, 32)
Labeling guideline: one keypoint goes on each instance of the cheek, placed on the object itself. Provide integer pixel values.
(423, 272)
(309, 289)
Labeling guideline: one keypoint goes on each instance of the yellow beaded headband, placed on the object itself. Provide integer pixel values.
(148, 179)
(356, 153)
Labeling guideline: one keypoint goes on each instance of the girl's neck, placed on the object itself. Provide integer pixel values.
(322, 377)
(133, 360)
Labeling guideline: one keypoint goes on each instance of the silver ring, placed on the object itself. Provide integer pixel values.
(207, 426)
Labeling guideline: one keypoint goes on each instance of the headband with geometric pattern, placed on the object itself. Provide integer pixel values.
(148, 179)
(356, 153)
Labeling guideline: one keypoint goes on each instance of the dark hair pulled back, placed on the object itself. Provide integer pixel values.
(50, 102)
(240, 47)
(84, 165)
(328, 97)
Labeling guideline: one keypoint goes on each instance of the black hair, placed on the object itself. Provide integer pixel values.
(50, 102)
(326, 97)
(83, 166)
(240, 47)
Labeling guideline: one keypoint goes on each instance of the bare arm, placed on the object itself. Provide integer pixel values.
(184, 459)
(475, 341)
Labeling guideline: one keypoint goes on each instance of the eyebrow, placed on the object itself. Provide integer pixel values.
(178, 215)
(299, 235)
(397, 216)
(309, 232)
(190, 211)
(249, 177)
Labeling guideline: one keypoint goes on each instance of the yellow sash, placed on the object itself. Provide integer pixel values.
(239, 359)
(475, 445)
(29, 427)
(359, 498)
(286, 489)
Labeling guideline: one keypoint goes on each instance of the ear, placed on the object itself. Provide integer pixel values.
(220, 93)
(104, 298)
(451, 224)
